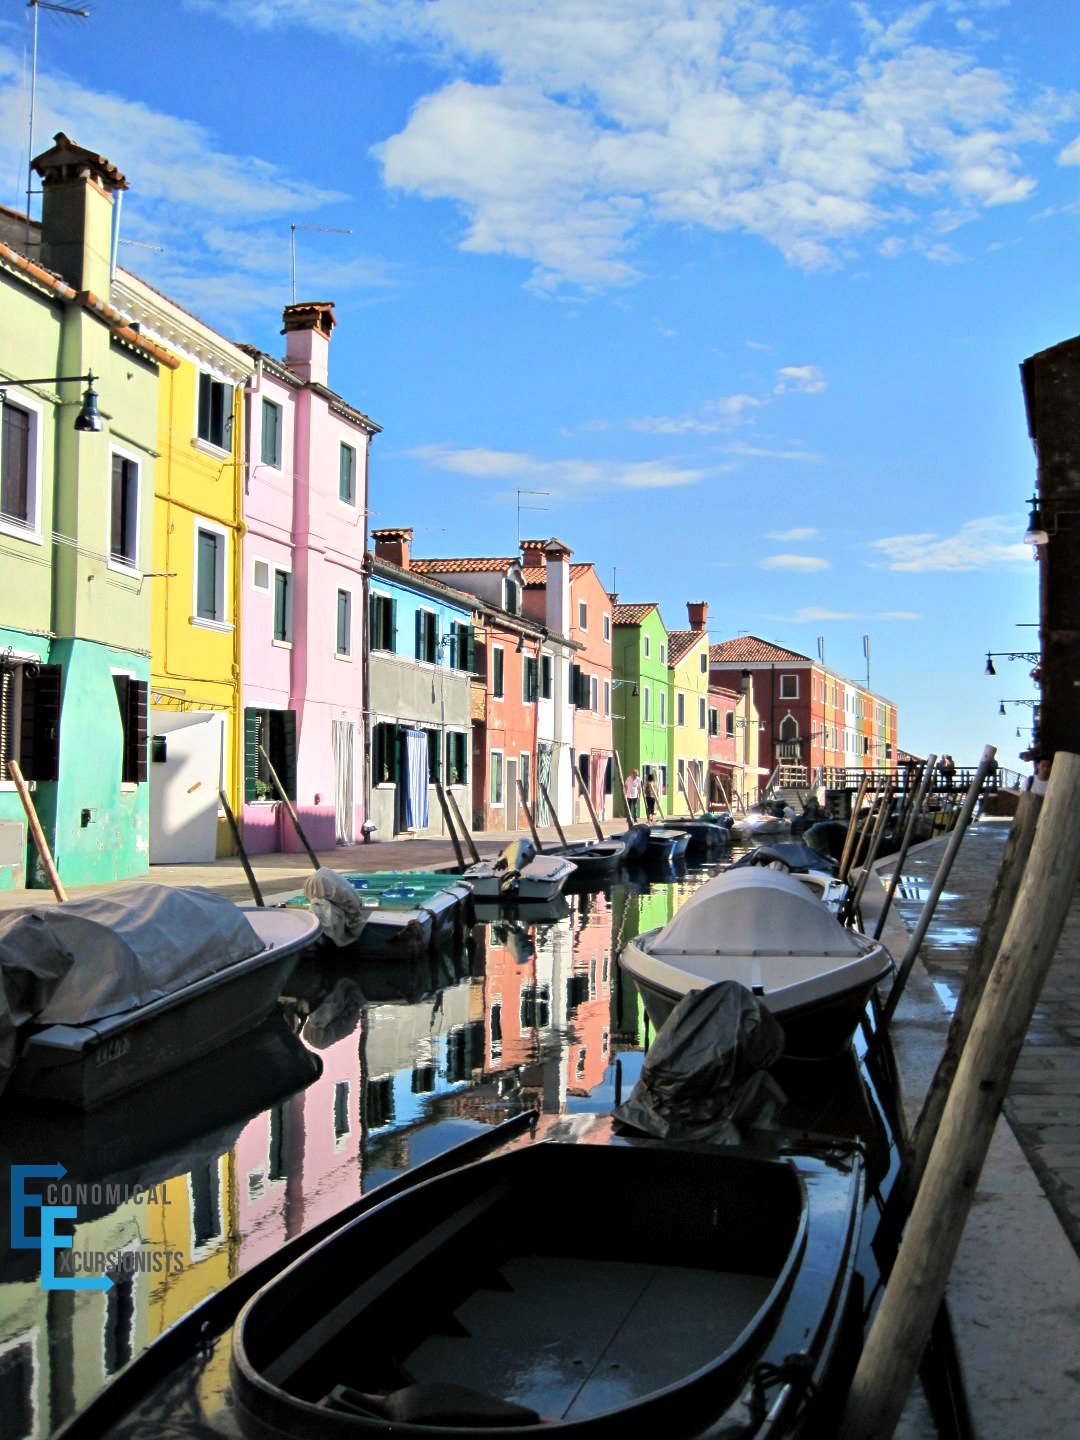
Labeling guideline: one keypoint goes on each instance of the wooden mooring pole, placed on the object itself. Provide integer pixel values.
(239, 843)
(847, 855)
(588, 803)
(465, 835)
(553, 813)
(905, 846)
(449, 819)
(528, 814)
(36, 830)
(622, 787)
(916, 1287)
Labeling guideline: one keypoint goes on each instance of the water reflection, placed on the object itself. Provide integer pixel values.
(365, 1070)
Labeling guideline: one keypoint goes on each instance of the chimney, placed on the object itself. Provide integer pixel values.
(698, 611)
(557, 561)
(77, 214)
(532, 553)
(307, 340)
(393, 545)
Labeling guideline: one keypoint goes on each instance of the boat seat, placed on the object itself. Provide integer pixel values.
(432, 1403)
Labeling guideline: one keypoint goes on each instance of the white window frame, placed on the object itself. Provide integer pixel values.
(786, 694)
(583, 616)
(272, 464)
(525, 764)
(607, 629)
(262, 560)
(499, 804)
(663, 653)
(646, 640)
(125, 567)
(222, 579)
(501, 649)
(663, 709)
(209, 447)
(27, 530)
(351, 612)
(703, 713)
(645, 708)
(351, 503)
(594, 694)
(429, 610)
(680, 709)
(607, 697)
(281, 567)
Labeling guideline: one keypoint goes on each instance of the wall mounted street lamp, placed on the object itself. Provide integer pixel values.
(88, 420)
(1044, 519)
(1032, 704)
(632, 683)
(741, 723)
(1031, 656)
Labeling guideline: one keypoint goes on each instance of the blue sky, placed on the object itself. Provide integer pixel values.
(742, 287)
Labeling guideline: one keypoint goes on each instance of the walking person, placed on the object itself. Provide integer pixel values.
(948, 770)
(632, 789)
(649, 791)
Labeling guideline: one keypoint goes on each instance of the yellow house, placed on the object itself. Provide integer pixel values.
(688, 665)
(195, 724)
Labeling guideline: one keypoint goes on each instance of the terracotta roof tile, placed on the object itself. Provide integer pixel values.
(680, 643)
(631, 614)
(749, 650)
(462, 566)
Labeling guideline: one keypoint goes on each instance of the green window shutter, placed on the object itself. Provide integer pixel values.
(393, 627)
(343, 637)
(434, 768)
(470, 649)
(419, 634)
(347, 474)
(206, 588)
(204, 406)
(39, 739)
(251, 754)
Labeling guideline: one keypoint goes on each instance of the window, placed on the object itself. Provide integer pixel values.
(646, 709)
(347, 475)
(282, 606)
(701, 712)
(434, 756)
(131, 695)
(714, 720)
(704, 662)
(663, 653)
(663, 707)
(427, 636)
(457, 758)
(530, 679)
(30, 719)
(496, 777)
(789, 687)
(512, 596)
(384, 754)
(680, 708)
(124, 512)
(383, 623)
(497, 664)
(461, 646)
(547, 677)
(729, 723)
(214, 424)
(260, 575)
(646, 639)
(210, 584)
(582, 615)
(20, 432)
(275, 731)
(270, 451)
(526, 776)
(344, 623)
(607, 697)
(607, 628)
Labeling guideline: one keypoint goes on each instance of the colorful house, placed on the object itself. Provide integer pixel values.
(420, 663)
(734, 773)
(815, 725)
(196, 730)
(590, 671)
(688, 662)
(642, 685)
(76, 516)
(303, 594)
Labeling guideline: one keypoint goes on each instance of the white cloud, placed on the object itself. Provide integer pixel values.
(812, 614)
(1071, 153)
(794, 562)
(799, 379)
(563, 477)
(805, 532)
(568, 127)
(983, 544)
(728, 411)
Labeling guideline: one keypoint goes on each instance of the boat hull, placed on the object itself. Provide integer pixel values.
(84, 1065)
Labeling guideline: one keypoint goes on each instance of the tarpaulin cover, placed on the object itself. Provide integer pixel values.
(706, 1073)
(337, 906)
(81, 961)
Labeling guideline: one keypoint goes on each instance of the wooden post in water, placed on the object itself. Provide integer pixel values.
(916, 1287)
(909, 835)
(36, 830)
(553, 812)
(238, 841)
(450, 829)
(1002, 902)
(528, 815)
(702, 807)
(875, 845)
(951, 851)
(588, 803)
(849, 839)
(686, 797)
(464, 828)
(289, 807)
(622, 787)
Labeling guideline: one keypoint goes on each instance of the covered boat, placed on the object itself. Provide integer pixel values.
(772, 933)
(713, 1299)
(103, 994)
(519, 875)
(405, 917)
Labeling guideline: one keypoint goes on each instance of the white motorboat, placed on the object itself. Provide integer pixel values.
(519, 875)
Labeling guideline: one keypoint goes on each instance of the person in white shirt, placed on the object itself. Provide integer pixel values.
(633, 793)
(1037, 782)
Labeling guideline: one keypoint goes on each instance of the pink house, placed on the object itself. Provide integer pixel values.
(303, 594)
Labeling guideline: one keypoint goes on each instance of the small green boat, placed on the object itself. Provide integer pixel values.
(387, 913)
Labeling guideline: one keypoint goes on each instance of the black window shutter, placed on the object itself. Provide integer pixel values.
(39, 739)
(470, 652)
(251, 754)
(575, 684)
(135, 739)
(287, 775)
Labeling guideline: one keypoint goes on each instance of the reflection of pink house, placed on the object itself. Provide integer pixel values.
(588, 1020)
(299, 1161)
(591, 691)
(303, 593)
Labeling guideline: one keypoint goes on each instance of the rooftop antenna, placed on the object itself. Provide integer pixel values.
(35, 6)
(866, 652)
(821, 649)
(521, 507)
(325, 229)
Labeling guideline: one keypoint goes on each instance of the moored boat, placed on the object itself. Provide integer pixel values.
(593, 859)
(666, 843)
(519, 875)
(407, 916)
(107, 993)
(772, 933)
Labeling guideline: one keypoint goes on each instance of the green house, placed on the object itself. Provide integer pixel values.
(643, 693)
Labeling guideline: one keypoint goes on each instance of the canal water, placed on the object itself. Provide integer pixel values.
(362, 1072)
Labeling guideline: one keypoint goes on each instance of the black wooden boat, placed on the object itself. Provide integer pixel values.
(707, 834)
(715, 1298)
(594, 859)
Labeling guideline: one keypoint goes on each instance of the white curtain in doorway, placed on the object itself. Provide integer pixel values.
(344, 735)
(416, 779)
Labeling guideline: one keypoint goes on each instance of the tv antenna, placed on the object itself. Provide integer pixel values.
(521, 507)
(324, 229)
(35, 6)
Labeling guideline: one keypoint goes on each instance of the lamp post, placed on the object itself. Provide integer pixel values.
(1031, 656)
(88, 420)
